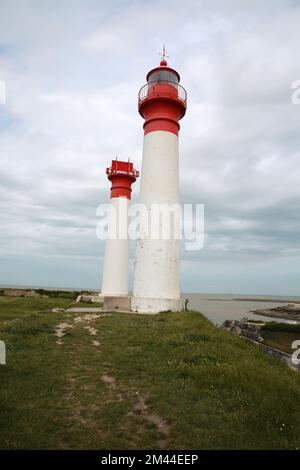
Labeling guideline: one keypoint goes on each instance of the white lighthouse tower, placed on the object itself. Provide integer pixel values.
(162, 103)
(115, 268)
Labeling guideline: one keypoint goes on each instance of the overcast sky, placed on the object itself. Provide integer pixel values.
(73, 69)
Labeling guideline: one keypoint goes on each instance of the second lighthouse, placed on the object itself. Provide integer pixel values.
(162, 103)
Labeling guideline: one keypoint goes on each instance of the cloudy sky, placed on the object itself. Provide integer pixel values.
(72, 70)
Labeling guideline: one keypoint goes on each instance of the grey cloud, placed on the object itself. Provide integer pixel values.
(72, 77)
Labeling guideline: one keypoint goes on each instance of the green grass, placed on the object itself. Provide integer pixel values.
(281, 335)
(212, 389)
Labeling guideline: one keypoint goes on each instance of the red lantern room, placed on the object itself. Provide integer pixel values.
(121, 175)
(162, 101)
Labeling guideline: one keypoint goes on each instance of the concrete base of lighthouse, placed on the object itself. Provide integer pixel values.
(150, 305)
(115, 302)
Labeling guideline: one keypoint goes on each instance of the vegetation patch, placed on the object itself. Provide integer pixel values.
(132, 381)
(281, 335)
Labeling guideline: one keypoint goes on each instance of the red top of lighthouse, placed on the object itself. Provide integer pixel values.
(162, 101)
(122, 175)
(163, 72)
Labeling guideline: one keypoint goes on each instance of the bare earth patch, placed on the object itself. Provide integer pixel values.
(108, 380)
(141, 408)
(60, 331)
(87, 318)
(92, 331)
(160, 424)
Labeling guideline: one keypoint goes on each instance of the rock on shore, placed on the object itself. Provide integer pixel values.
(287, 312)
(243, 328)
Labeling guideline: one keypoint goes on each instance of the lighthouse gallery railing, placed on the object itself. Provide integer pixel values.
(149, 90)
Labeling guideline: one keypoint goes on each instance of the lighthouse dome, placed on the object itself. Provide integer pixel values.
(163, 73)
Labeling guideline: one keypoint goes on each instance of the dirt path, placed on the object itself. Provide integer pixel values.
(141, 409)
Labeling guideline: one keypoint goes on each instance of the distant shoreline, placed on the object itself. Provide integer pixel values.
(254, 298)
(69, 289)
(206, 296)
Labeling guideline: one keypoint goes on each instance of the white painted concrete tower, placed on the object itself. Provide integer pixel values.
(162, 103)
(115, 268)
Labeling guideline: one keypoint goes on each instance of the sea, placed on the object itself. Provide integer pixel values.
(220, 307)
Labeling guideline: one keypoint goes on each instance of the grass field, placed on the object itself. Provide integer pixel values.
(132, 382)
(281, 335)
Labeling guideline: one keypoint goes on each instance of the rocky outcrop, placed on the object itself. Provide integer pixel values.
(245, 329)
(288, 312)
(252, 331)
(281, 355)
